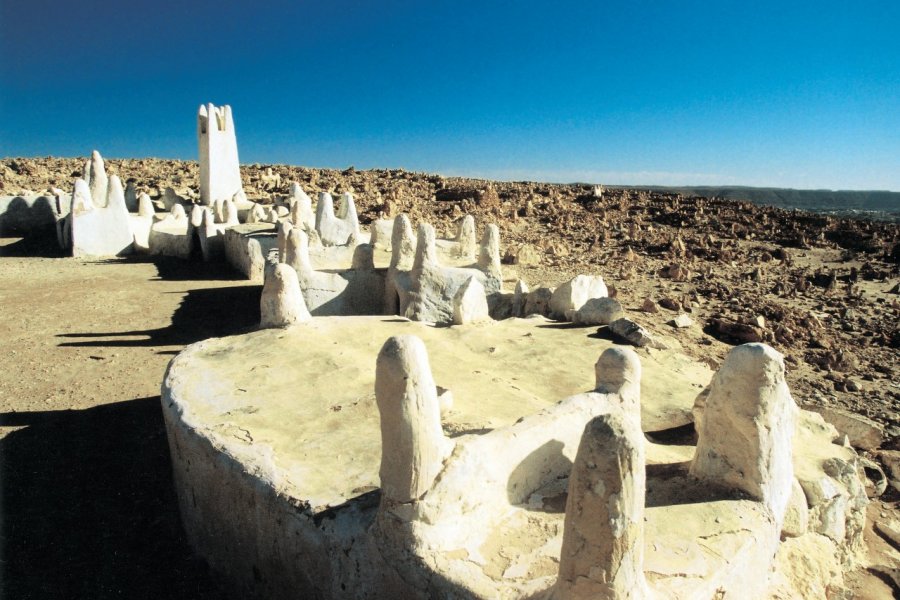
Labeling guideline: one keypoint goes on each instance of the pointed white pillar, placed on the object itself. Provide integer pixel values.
(413, 445)
(282, 303)
(220, 174)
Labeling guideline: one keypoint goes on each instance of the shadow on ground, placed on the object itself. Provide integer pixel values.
(202, 314)
(169, 268)
(39, 244)
(89, 508)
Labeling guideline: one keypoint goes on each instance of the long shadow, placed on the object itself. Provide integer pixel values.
(169, 268)
(670, 485)
(40, 243)
(89, 508)
(176, 269)
(202, 314)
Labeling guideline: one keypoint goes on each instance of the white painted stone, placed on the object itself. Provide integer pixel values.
(246, 247)
(347, 213)
(296, 251)
(173, 234)
(25, 213)
(358, 290)
(145, 205)
(745, 435)
(603, 541)
(100, 230)
(489, 259)
(281, 303)
(196, 215)
(470, 304)
(403, 244)
(170, 199)
(212, 236)
(537, 302)
(466, 240)
(97, 180)
(131, 197)
(142, 222)
(220, 175)
(381, 231)
(598, 311)
(481, 530)
(257, 214)
(432, 287)
(413, 446)
(573, 294)
(796, 517)
(301, 208)
(230, 213)
(618, 371)
(398, 280)
(520, 293)
(336, 230)
(282, 230)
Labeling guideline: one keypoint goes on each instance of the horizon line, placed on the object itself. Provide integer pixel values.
(549, 177)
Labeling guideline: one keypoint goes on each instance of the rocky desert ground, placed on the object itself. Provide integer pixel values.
(88, 508)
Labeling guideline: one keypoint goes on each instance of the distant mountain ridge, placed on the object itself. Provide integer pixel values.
(876, 204)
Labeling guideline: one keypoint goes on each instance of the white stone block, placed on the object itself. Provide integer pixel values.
(573, 294)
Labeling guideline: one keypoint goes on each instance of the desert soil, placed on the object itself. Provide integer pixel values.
(88, 507)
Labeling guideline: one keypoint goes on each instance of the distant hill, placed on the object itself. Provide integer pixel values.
(880, 205)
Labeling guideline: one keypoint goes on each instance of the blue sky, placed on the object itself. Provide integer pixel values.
(791, 94)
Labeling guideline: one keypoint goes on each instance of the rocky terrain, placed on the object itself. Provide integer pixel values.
(822, 290)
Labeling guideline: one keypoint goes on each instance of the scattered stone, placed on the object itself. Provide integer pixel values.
(649, 306)
(681, 321)
(597, 311)
(891, 531)
(527, 255)
(862, 432)
(891, 461)
(678, 273)
(876, 476)
(573, 294)
(634, 334)
(670, 304)
(739, 332)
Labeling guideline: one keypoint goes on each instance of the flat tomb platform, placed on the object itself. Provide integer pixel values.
(297, 406)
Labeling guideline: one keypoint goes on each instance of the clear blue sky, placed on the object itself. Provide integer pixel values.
(793, 94)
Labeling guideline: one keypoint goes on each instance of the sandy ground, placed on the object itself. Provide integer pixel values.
(88, 506)
(89, 510)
